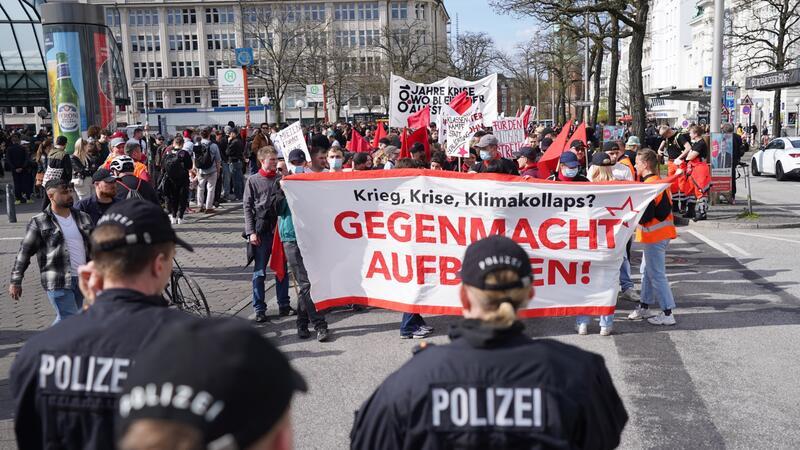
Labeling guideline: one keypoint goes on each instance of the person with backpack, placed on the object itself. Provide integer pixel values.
(207, 162)
(174, 186)
(128, 184)
(235, 162)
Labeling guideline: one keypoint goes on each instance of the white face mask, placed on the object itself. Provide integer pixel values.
(335, 163)
(485, 155)
(299, 169)
(570, 173)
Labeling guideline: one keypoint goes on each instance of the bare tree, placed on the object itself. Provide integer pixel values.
(766, 38)
(407, 51)
(472, 56)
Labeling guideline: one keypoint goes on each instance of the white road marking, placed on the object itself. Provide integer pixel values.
(711, 243)
(767, 236)
(11, 239)
(738, 249)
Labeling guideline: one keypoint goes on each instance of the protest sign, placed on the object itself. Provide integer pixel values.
(289, 139)
(510, 132)
(458, 134)
(721, 161)
(407, 97)
(473, 114)
(613, 132)
(395, 239)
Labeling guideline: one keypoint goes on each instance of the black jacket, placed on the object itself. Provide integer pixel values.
(66, 380)
(494, 388)
(130, 182)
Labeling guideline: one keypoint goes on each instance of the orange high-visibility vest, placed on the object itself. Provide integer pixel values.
(627, 162)
(657, 230)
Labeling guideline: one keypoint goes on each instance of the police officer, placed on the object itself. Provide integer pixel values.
(196, 371)
(493, 386)
(66, 380)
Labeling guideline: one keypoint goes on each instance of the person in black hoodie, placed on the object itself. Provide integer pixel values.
(22, 169)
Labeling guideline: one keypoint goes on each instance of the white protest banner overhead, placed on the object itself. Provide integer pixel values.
(458, 134)
(407, 97)
(395, 239)
(510, 132)
(291, 138)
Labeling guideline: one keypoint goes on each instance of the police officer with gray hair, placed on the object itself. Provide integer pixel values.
(493, 386)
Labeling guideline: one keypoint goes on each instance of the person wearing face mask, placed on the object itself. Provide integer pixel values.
(487, 148)
(335, 159)
(568, 169)
(297, 158)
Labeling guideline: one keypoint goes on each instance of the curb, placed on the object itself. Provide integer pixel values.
(218, 212)
(743, 226)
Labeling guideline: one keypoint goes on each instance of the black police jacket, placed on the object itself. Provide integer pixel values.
(494, 388)
(66, 380)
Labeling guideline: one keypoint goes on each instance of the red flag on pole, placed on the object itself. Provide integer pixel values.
(461, 103)
(380, 133)
(420, 119)
(277, 258)
(357, 143)
(526, 116)
(421, 135)
(549, 160)
(578, 135)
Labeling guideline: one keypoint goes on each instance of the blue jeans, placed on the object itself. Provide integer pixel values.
(261, 258)
(67, 302)
(237, 180)
(654, 276)
(410, 323)
(226, 181)
(625, 281)
(605, 321)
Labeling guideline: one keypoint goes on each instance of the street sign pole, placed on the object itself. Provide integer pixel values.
(246, 99)
(716, 87)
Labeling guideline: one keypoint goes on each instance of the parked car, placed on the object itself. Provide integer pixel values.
(780, 157)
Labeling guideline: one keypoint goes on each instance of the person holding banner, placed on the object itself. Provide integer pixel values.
(493, 386)
(487, 146)
(569, 168)
(672, 146)
(656, 228)
(526, 159)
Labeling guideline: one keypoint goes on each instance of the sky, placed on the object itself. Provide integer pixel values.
(477, 15)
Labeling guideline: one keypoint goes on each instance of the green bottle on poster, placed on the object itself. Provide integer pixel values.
(67, 104)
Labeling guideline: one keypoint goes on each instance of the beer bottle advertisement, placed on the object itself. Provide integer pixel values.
(65, 80)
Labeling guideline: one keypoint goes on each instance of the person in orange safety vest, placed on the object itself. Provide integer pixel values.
(697, 182)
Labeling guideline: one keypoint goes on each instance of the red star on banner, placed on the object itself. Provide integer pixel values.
(626, 207)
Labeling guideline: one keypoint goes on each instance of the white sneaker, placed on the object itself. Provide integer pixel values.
(179, 221)
(605, 331)
(630, 295)
(172, 220)
(583, 329)
(640, 313)
(662, 319)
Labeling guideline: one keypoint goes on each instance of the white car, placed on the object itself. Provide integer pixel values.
(781, 157)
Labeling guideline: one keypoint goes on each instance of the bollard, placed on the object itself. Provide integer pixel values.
(11, 209)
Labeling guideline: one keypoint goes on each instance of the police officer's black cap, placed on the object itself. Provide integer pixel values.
(144, 223)
(246, 384)
(490, 255)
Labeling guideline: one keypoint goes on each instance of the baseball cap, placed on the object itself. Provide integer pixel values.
(601, 159)
(577, 144)
(610, 146)
(545, 144)
(527, 152)
(144, 222)
(57, 183)
(487, 140)
(492, 254)
(297, 156)
(569, 159)
(103, 175)
(117, 141)
(212, 360)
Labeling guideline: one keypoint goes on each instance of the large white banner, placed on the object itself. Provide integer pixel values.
(407, 97)
(395, 239)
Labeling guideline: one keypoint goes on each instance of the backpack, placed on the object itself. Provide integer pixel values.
(132, 193)
(203, 157)
(172, 167)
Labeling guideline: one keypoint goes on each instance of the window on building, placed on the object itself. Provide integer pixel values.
(345, 38)
(344, 11)
(254, 95)
(316, 38)
(422, 37)
(368, 38)
(180, 42)
(257, 14)
(140, 100)
(419, 11)
(258, 41)
(220, 41)
(214, 66)
(147, 70)
(187, 97)
(214, 98)
(222, 14)
(399, 10)
(143, 17)
(185, 68)
(181, 16)
(368, 11)
(314, 11)
(369, 64)
(145, 43)
(401, 36)
(112, 17)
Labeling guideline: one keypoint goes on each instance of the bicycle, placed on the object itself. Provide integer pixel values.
(184, 293)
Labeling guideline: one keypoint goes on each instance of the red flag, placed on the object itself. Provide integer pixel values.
(461, 103)
(277, 259)
(357, 143)
(380, 133)
(421, 135)
(420, 119)
(578, 135)
(549, 160)
(526, 116)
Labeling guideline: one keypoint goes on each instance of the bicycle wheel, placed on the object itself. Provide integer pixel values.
(188, 295)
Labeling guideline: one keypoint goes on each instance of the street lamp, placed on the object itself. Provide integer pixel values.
(265, 103)
(760, 118)
(797, 117)
(346, 110)
(300, 104)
